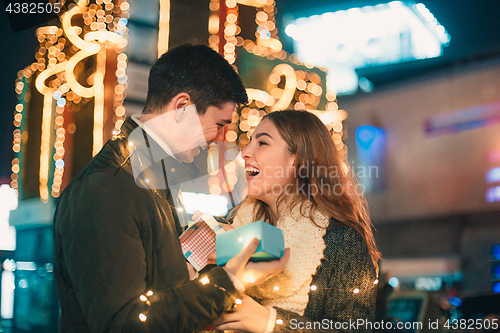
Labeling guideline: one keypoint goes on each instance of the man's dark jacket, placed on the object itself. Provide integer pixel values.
(115, 241)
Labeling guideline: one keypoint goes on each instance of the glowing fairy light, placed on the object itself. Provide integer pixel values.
(163, 27)
(214, 25)
(287, 88)
(250, 278)
(57, 83)
(204, 280)
(99, 102)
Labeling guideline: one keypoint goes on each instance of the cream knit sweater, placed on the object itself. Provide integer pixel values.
(289, 289)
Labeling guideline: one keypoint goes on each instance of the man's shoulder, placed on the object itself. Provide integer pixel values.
(108, 170)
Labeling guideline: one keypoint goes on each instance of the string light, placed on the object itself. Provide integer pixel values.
(61, 49)
(119, 95)
(99, 102)
(250, 278)
(214, 25)
(204, 280)
(59, 149)
(23, 95)
(163, 27)
(302, 90)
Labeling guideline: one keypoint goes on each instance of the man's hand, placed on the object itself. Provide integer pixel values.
(251, 273)
(193, 274)
(249, 316)
(212, 259)
(196, 215)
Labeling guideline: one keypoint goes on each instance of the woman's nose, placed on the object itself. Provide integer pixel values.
(245, 153)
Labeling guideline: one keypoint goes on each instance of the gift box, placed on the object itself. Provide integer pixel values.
(198, 241)
(230, 243)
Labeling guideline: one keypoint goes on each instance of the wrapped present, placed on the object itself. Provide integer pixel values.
(230, 243)
(198, 241)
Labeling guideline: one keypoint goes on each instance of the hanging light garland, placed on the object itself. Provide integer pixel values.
(302, 90)
(147, 298)
(104, 28)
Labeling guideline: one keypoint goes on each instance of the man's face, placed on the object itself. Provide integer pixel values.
(212, 123)
(215, 119)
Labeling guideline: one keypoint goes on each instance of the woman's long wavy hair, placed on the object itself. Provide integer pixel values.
(318, 166)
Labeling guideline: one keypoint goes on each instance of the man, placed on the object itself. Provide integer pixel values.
(119, 266)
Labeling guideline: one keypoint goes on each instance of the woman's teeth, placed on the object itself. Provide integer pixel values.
(253, 171)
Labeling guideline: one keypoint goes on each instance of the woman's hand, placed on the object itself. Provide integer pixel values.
(248, 316)
(254, 273)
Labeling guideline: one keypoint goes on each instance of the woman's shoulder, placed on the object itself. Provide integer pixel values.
(341, 239)
(340, 232)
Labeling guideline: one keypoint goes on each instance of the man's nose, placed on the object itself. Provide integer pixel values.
(220, 136)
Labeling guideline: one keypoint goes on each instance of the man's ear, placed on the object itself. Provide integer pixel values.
(179, 114)
(180, 102)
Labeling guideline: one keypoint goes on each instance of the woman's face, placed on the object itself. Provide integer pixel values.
(268, 163)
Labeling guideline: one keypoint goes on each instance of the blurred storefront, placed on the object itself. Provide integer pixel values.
(426, 151)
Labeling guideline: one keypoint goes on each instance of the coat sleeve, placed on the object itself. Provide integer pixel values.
(343, 291)
(103, 263)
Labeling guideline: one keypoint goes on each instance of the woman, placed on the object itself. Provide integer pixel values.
(297, 182)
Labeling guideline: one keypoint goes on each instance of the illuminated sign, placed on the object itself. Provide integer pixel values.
(361, 37)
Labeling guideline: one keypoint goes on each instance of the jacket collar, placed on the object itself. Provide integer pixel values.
(175, 171)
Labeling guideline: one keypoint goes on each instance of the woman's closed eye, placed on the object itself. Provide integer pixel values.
(261, 143)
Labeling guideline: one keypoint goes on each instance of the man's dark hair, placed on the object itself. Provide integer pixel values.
(197, 70)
